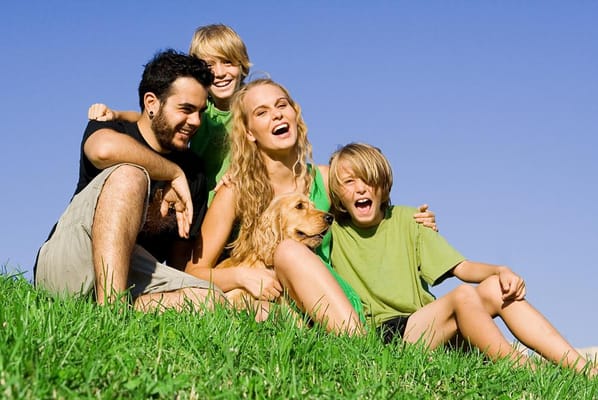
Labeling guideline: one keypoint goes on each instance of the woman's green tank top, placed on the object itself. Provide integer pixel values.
(319, 196)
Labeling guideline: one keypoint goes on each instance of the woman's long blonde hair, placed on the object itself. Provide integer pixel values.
(253, 190)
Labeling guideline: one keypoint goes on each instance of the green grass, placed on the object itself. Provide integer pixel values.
(68, 348)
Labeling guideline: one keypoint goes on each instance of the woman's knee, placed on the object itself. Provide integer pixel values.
(288, 253)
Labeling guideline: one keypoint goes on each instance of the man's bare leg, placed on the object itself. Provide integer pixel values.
(116, 223)
(190, 298)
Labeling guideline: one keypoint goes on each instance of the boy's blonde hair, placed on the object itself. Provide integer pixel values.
(247, 168)
(221, 41)
(368, 164)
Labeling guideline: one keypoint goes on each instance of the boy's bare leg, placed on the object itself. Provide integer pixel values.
(116, 223)
(530, 327)
(314, 289)
(460, 310)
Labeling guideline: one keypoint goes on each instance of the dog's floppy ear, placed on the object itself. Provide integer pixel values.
(268, 233)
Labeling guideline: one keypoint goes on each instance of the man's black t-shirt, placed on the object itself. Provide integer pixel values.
(157, 243)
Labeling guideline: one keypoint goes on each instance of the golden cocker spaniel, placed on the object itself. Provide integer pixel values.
(289, 216)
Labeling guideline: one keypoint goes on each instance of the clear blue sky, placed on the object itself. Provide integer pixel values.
(487, 110)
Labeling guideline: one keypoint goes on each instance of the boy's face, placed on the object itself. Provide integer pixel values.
(227, 79)
(361, 201)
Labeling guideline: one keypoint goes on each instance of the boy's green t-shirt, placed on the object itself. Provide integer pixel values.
(391, 265)
(210, 142)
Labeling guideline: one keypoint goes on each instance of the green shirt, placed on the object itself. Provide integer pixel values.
(211, 144)
(391, 265)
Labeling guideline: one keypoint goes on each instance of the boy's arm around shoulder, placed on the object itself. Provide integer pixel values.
(511, 284)
(101, 112)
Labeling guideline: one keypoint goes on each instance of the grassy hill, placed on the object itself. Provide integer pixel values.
(69, 348)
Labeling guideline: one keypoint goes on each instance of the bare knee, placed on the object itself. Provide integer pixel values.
(491, 294)
(122, 198)
(129, 177)
(287, 254)
(464, 294)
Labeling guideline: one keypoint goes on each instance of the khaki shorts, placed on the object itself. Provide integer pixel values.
(65, 261)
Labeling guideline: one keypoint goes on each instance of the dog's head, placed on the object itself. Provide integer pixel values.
(289, 216)
(296, 217)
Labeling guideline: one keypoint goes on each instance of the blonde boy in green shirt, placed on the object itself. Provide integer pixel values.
(390, 260)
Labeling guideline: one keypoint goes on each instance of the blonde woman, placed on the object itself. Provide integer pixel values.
(270, 156)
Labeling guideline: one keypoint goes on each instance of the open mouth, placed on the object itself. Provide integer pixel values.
(280, 129)
(363, 203)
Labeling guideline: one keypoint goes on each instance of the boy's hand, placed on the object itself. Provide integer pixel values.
(100, 112)
(425, 217)
(224, 181)
(511, 284)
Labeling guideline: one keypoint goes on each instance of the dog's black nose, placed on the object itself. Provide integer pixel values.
(329, 218)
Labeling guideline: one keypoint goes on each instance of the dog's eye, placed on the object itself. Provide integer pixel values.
(300, 206)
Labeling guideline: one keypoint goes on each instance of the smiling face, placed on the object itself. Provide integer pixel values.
(227, 80)
(226, 54)
(362, 201)
(271, 119)
(179, 115)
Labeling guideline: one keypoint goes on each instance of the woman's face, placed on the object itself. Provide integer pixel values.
(227, 80)
(271, 119)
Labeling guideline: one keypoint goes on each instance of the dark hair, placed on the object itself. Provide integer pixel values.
(168, 65)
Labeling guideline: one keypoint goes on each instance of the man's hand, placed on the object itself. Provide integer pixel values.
(178, 198)
(511, 284)
(100, 112)
(425, 217)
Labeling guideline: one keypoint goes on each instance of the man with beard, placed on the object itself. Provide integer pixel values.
(140, 199)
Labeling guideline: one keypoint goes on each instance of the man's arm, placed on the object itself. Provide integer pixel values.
(106, 147)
